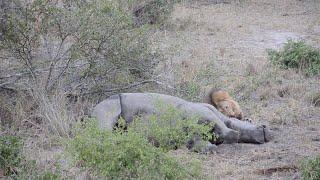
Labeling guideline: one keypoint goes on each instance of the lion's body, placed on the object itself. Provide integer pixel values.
(224, 103)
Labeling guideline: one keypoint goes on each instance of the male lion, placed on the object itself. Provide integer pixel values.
(224, 103)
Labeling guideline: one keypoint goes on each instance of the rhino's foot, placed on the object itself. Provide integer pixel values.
(258, 135)
(204, 147)
(198, 145)
(267, 134)
(208, 149)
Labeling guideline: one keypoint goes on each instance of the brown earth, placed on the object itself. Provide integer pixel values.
(231, 38)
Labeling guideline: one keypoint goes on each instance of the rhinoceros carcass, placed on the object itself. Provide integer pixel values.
(130, 105)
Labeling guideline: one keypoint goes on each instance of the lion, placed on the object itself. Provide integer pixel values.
(224, 103)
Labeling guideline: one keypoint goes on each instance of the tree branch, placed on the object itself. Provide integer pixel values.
(116, 89)
(38, 71)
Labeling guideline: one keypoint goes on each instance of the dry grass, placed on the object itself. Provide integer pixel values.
(43, 121)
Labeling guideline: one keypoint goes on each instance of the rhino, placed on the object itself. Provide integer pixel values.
(130, 105)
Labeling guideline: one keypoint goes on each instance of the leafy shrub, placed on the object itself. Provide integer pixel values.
(297, 55)
(10, 154)
(170, 129)
(311, 169)
(152, 12)
(315, 99)
(122, 155)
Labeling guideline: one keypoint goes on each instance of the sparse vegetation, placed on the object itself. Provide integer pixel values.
(191, 80)
(14, 163)
(298, 55)
(123, 155)
(311, 168)
(189, 90)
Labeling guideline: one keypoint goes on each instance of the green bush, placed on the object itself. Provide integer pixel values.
(170, 129)
(47, 176)
(123, 155)
(151, 12)
(10, 154)
(311, 169)
(297, 55)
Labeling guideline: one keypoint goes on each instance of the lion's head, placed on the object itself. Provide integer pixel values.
(230, 108)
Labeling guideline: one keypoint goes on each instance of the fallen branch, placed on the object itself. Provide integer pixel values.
(270, 171)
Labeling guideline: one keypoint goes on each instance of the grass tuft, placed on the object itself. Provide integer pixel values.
(10, 154)
(311, 169)
(298, 55)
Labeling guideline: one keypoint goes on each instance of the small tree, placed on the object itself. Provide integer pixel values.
(91, 46)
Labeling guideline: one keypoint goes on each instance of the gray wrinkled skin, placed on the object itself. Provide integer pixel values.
(129, 105)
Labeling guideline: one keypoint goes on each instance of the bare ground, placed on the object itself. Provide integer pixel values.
(231, 37)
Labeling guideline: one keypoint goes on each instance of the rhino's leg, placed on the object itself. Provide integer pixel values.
(230, 136)
(249, 133)
(225, 134)
(108, 112)
(196, 144)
